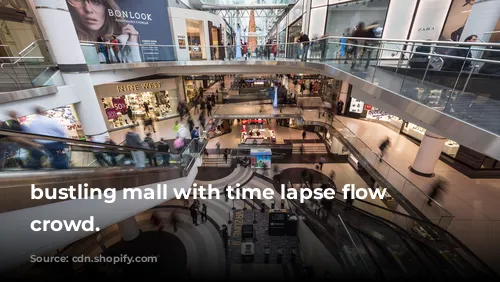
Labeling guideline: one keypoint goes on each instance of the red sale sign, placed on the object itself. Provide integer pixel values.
(368, 107)
(120, 105)
(111, 113)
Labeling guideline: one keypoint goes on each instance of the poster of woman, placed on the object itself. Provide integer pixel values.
(122, 26)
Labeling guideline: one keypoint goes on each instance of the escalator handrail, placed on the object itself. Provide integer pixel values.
(83, 143)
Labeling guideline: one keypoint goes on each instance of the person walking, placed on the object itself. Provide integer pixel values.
(190, 123)
(43, 125)
(148, 122)
(164, 149)
(203, 213)
(304, 39)
(349, 200)
(304, 134)
(209, 107)
(174, 220)
(194, 214)
(151, 145)
(437, 188)
(226, 153)
(133, 139)
(217, 145)
(195, 135)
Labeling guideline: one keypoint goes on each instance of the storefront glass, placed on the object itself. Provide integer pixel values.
(192, 88)
(65, 116)
(124, 104)
(343, 18)
(158, 105)
(293, 50)
(346, 16)
(18, 29)
(196, 39)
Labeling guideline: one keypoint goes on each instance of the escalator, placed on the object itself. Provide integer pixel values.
(124, 167)
(388, 250)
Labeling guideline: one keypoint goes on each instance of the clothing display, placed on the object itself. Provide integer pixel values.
(127, 110)
(65, 117)
(450, 147)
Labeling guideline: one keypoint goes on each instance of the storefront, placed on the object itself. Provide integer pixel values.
(416, 132)
(125, 104)
(257, 131)
(195, 83)
(196, 39)
(65, 116)
(19, 29)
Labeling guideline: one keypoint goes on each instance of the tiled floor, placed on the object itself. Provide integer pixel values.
(232, 139)
(473, 202)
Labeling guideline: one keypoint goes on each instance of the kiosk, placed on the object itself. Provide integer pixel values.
(261, 158)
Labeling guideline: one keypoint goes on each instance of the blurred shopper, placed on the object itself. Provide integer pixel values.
(112, 155)
(226, 154)
(195, 136)
(194, 214)
(383, 147)
(148, 123)
(164, 149)
(99, 155)
(190, 123)
(133, 139)
(437, 188)
(304, 39)
(151, 145)
(44, 125)
(203, 213)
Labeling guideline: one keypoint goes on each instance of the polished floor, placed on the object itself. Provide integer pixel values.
(472, 202)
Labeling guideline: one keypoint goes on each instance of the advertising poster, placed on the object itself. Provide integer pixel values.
(131, 22)
(356, 106)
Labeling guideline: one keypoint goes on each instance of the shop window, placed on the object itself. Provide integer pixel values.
(126, 110)
(65, 116)
(196, 39)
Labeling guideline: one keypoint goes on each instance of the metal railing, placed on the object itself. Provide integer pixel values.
(25, 71)
(456, 78)
(418, 198)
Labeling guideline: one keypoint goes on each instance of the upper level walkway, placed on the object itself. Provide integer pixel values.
(458, 104)
(470, 202)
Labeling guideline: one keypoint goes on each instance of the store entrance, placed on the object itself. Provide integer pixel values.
(293, 35)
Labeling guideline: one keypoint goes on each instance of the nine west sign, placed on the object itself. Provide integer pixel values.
(139, 87)
(134, 87)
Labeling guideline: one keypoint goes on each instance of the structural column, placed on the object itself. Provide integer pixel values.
(428, 154)
(482, 20)
(128, 229)
(56, 22)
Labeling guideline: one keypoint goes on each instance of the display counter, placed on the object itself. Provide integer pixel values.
(450, 147)
(256, 132)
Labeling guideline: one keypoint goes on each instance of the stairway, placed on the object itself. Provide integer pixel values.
(216, 160)
(309, 148)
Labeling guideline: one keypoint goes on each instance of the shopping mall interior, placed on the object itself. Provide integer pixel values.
(354, 97)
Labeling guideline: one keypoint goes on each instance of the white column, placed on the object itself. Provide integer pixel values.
(428, 154)
(59, 30)
(482, 18)
(129, 229)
